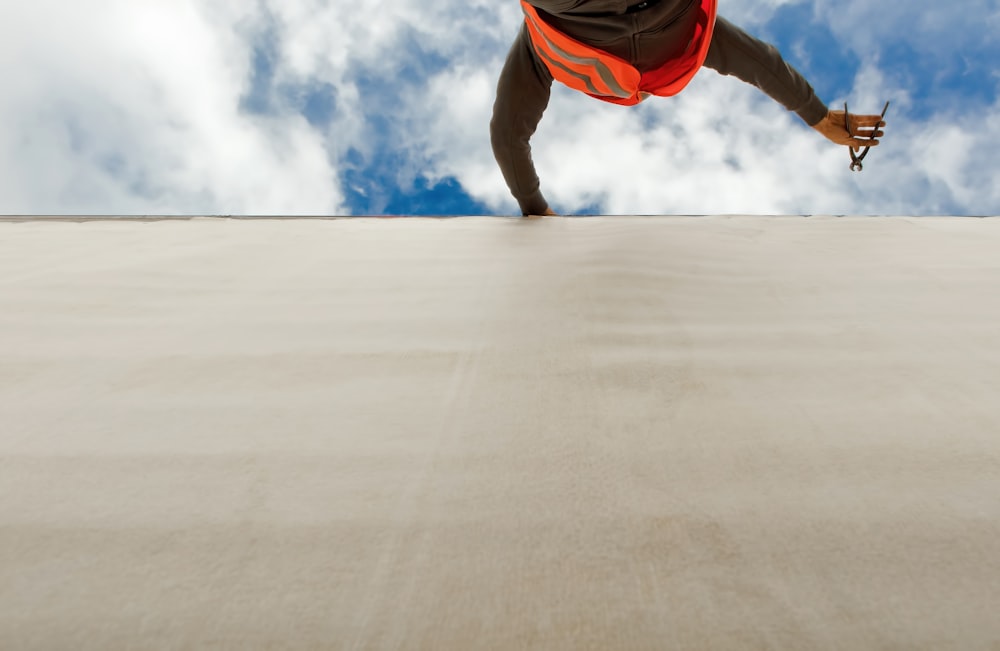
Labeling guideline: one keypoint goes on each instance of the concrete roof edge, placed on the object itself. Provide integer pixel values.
(156, 218)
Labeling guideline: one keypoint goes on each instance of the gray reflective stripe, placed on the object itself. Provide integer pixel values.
(579, 75)
(602, 70)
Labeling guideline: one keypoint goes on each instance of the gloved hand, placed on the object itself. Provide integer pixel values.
(862, 126)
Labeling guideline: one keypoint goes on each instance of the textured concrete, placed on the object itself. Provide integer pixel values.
(607, 433)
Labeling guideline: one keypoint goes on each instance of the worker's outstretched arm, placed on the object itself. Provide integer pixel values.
(522, 96)
(734, 52)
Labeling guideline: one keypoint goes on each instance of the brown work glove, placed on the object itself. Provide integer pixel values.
(862, 126)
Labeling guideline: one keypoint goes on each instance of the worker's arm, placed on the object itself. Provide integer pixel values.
(522, 96)
(734, 52)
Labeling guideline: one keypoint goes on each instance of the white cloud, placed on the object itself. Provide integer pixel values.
(125, 107)
(449, 125)
(931, 27)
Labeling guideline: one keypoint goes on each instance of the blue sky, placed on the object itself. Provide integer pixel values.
(299, 107)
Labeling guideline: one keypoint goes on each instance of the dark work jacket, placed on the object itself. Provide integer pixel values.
(645, 39)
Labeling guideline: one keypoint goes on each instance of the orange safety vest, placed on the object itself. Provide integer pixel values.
(602, 75)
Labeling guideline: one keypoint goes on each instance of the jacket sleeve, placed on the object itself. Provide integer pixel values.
(734, 52)
(522, 96)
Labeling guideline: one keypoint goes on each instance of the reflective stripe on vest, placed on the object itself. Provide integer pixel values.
(602, 75)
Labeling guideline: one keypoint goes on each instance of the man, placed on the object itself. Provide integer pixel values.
(623, 51)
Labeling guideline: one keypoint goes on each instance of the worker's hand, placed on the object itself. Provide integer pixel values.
(548, 213)
(862, 126)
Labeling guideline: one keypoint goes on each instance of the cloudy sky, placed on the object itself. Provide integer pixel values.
(377, 107)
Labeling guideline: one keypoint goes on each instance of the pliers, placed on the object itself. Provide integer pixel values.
(856, 159)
